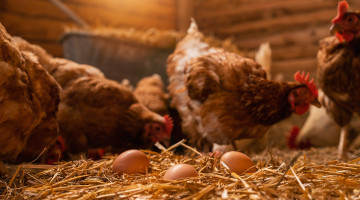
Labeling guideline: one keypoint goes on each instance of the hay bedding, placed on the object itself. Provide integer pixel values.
(298, 177)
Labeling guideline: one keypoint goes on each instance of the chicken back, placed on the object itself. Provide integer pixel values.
(150, 92)
(63, 70)
(222, 96)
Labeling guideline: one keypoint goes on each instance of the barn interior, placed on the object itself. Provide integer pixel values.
(85, 62)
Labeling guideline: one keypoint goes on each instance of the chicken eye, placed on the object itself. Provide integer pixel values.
(351, 19)
(157, 128)
(304, 92)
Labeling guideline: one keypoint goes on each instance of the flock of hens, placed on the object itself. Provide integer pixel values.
(54, 108)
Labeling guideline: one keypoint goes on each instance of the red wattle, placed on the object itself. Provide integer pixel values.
(348, 36)
(301, 109)
(339, 37)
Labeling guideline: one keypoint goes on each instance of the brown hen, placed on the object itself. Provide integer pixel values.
(98, 113)
(150, 92)
(338, 70)
(64, 71)
(29, 97)
(222, 96)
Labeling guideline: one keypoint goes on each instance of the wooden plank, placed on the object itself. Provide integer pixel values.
(33, 27)
(138, 13)
(127, 5)
(306, 36)
(213, 5)
(228, 12)
(40, 21)
(305, 63)
(284, 70)
(34, 8)
(267, 9)
(294, 51)
(277, 24)
(184, 13)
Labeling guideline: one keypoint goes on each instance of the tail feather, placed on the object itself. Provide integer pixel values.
(193, 27)
(263, 57)
(193, 31)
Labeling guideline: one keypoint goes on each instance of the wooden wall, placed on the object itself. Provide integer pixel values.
(41, 22)
(293, 27)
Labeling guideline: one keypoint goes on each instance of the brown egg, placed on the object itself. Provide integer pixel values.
(180, 171)
(238, 162)
(131, 162)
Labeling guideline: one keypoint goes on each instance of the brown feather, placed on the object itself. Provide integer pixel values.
(28, 102)
(338, 75)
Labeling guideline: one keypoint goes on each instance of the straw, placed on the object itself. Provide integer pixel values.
(315, 175)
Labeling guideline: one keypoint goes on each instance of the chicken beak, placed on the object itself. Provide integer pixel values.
(166, 142)
(316, 103)
(334, 28)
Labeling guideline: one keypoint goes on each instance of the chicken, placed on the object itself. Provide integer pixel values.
(312, 132)
(63, 70)
(338, 71)
(29, 97)
(251, 145)
(222, 96)
(150, 92)
(95, 112)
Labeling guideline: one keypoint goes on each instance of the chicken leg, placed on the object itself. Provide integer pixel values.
(343, 142)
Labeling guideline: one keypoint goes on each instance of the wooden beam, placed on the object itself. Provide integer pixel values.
(72, 15)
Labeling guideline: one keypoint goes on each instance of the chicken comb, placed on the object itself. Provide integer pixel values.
(168, 124)
(302, 78)
(342, 9)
